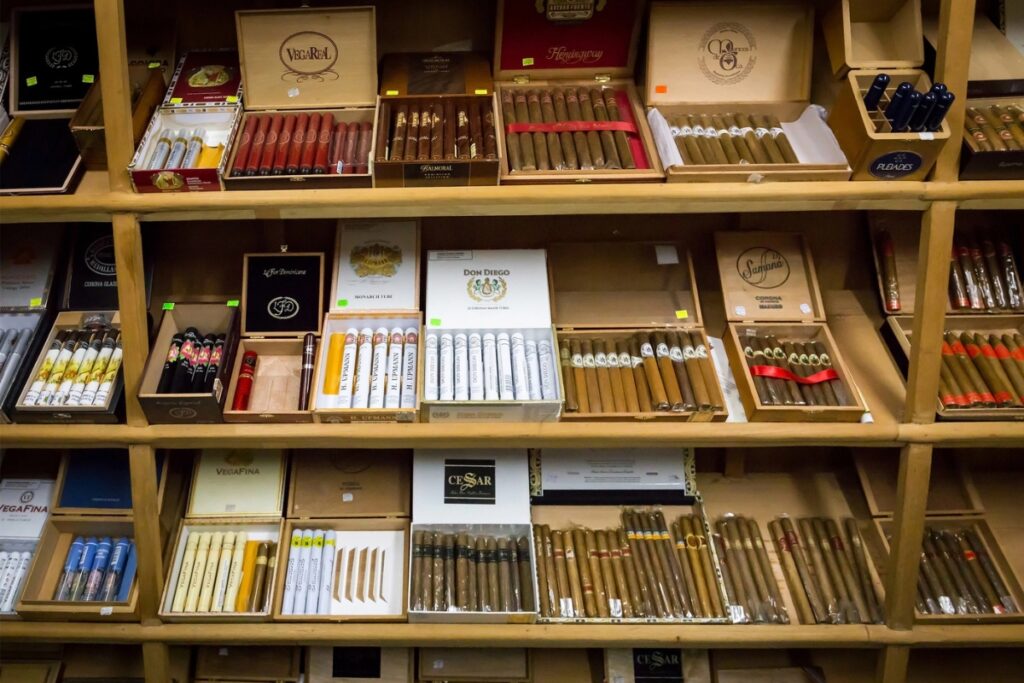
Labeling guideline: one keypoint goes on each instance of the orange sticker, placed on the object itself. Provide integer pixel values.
(661, 89)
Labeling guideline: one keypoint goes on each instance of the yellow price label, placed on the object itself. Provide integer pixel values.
(682, 315)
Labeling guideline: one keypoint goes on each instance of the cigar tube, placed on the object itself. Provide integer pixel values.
(310, 141)
(983, 592)
(781, 361)
(794, 364)
(974, 541)
(594, 398)
(349, 163)
(461, 570)
(568, 376)
(621, 139)
(614, 578)
(761, 385)
(580, 586)
(571, 142)
(384, 127)
(252, 164)
(427, 128)
(944, 576)
(698, 368)
(1010, 367)
(570, 595)
(760, 579)
(362, 162)
(676, 602)
(514, 148)
(828, 571)
(670, 562)
(808, 578)
(785, 554)
(601, 591)
(988, 253)
(604, 381)
(859, 561)
(970, 370)
(836, 385)
(630, 567)
(890, 280)
(660, 376)
(956, 370)
(842, 559)
(296, 143)
(244, 147)
(504, 567)
(746, 590)
(595, 102)
(490, 138)
(643, 392)
(412, 135)
(689, 562)
(953, 569)
(826, 389)
(766, 570)
(266, 162)
(397, 149)
(655, 590)
(985, 356)
(284, 143)
(949, 547)
(981, 277)
(574, 103)
(547, 115)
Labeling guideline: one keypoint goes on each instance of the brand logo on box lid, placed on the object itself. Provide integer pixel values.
(283, 307)
(727, 53)
(469, 482)
(762, 267)
(486, 285)
(309, 55)
(62, 57)
(99, 256)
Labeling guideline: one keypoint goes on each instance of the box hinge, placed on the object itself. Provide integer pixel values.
(602, 78)
(521, 79)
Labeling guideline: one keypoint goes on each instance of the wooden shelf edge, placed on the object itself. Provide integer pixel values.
(950, 434)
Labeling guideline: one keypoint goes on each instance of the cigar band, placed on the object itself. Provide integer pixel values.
(825, 360)
(686, 131)
(735, 131)
(631, 535)
(779, 353)
(637, 361)
(589, 361)
(710, 132)
(676, 353)
(612, 360)
(626, 361)
(814, 359)
(761, 132)
(675, 131)
(698, 130)
(600, 360)
(701, 351)
(663, 350)
(570, 554)
(794, 358)
(777, 131)
(805, 359)
(748, 352)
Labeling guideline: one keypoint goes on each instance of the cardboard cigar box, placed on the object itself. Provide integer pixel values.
(232, 491)
(280, 664)
(585, 45)
(282, 301)
(24, 506)
(868, 34)
(953, 503)
(644, 287)
(365, 498)
(504, 665)
(489, 292)
(27, 267)
(412, 82)
(205, 93)
(188, 407)
(770, 287)
(664, 665)
(481, 493)
(359, 664)
(768, 73)
(375, 284)
(587, 488)
(298, 61)
(92, 498)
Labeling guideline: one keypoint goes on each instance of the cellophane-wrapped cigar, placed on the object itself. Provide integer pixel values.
(890, 280)
(982, 370)
(807, 376)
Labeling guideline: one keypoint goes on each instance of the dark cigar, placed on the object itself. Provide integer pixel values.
(490, 137)
(476, 130)
(362, 162)
(528, 111)
(573, 102)
(517, 160)
(568, 377)
(989, 568)
(256, 150)
(570, 147)
(545, 107)
(1011, 277)
(426, 131)
(397, 151)
(462, 132)
(245, 146)
(384, 128)
(417, 570)
(167, 376)
(437, 126)
(958, 296)
(309, 144)
(306, 374)
(349, 161)
(890, 280)
(683, 359)
(412, 135)
(338, 146)
(765, 391)
(284, 142)
(988, 252)
(323, 143)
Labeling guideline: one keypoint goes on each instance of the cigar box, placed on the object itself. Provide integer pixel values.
(91, 282)
(359, 664)
(301, 61)
(644, 288)
(767, 73)
(375, 284)
(868, 34)
(770, 287)
(27, 268)
(282, 301)
(591, 488)
(566, 665)
(190, 408)
(232, 491)
(244, 664)
(504, 665)
(364, 497)
(661, 665)
(499, 292)
(204, 94)
(30, 672)
(581, 45)
(491, 488)
(442, 79)
(93, 482)
(951, 489)
(24, 506)
(979, 164)
(110, 411)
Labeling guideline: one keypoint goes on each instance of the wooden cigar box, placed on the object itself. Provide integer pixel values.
(190, 408)
(364, 497)
(770, 287)
(414, 81)
(232, 491)
(282, 301)
(375, 284)
(501, 665)
(873, 34)
(359, 664)
(36, 671)
(644, 287)
(575, 488)
(584, 45)
(671, 664)
(767, 74)
(305, 61)
(979, 164)
(246, 664)
(204, 94)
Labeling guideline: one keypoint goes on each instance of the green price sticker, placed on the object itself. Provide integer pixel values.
(342, 303)
(435, 322)
(88, 78)
(527, 61)
(37, 301)
(480, 91)
(175, 100)
(682, 315)
(168, 306)
(232, 303)
(153, 65)
(231, 98)
(31, 80)
(391, 92)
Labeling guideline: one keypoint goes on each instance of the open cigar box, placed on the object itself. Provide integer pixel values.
(245, 664)
(770, 290)
(695, 102)
(975, 259)
(636, 665)
(304, 67)
(564, 48)
(601, 497)
(204, 96)
(448, 99)
(356, 507)
(374, 306)
(644, 288)
(873, 34)
(498, 665)
(479, 495)
(969, 556)
(92, 500)
(233, 491)
(354, 664)
(25, 505)
(282, 302)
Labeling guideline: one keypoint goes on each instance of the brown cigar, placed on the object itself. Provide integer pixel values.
(426, 597)
(737, 137)
(643, 392)
(725, 138)
(773, 345)
(958, 296)
(860, 561)
(398, 137)
(244, 146)
(837, 386)
(506, 603)
(674, 601)
(800, 368)
(970, 371)
(978, 584)
(766, 571)
(258, 578)
(476, 130)
(450, 147)
(583, 389)
(765, 391)
(984, 357)
(497, 590)
(846, 569)
(668, 376)
(714, 142)
(771, 145)
(426, 131)
(712, 153)
(621, 139)
(363, 148)
(707, 369)
(594, 396)
(670, 562)
(596, 574)
(596, 102)
(604, 380)
(384, 127)
(659, 398)
(646, 572)
(981, 552)
(760, 581)
(890, 280)
(566, 603)
(814, 360)
(412, 134)
(547, 113)
(579, 552)
(607, 548)
(1010, 367)
(803, 606)
(831, 593)
(576, 589)
(526, 600)
(438, 587)
(448, 557)
(704, 551)
(764, 355)
(788, 154)
(417, 570)
(546, 597)
(758, 144)
(949, 573)
(1012, 125)
(630, 566)
(517, 160)
(513, 570)
(677, 354)
(538, 143)
(735, 606)
(470, 578)
(490, 139)
(689, 561)
(808, 577)
(461, 570)
(743, 580)
(483, 588)
(955, 369)
(569, 146)
(568, 376)
(693, 370)
(686, 143)
(578, 103)
(615, 374)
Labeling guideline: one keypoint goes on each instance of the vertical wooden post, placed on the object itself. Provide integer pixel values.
(114, 85)
(156, 660)
(131, 295)
(930, 314)
(142, 461)
(892, 664)
(907, 534)
(953, 58)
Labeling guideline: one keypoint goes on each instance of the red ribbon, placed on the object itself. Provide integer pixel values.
(570, 127)
(825, 375)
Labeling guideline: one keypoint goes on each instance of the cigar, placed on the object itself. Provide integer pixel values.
(981, 277)
(711, 153)
(836, 385)
(828, 574)
(621, 139)
(1011, 277)
(310, 141)
(609, 401)
(646, 572)
(568, 376)
(619, 397)
(957, 602)
(972, 378)
(437, 588)
(426, 131)
(676, 603)
(984, 137)
(583, 389)
(765, 391)
(926, 603)
(244, 146)
(516, 151)
(736, 609)
(1010, 367)
(643, 391)
(766, 571)
(800, 366)
(827, 389)
(397, 151)
(985, 359)
(707, 130)
(544, 109)
(653, 374)
(808, 579)
(323, 143)
(595, 400)
(729, 146)
(580, 111)
(846, 570)
(761, 580)
(974, 541)
(955, 370)
(349, 156)
(704, 552)
(614, 574)
(757, 141)
(743, 580)
(362, 161)
(431, 144)
(958, 296)
(670, 563)
(581, 584)
(449, 559)
(463, 133)
(418, 570)
(258, 140)
(592, 104)
(411, 143)
(462, 554)
(988, 254)
(1012, 125)
(631, 568)
(338, 147)
(539, 144)
(948, 556)
(781, 359)
(470, 576)
(686, 554)
(513, 570)
(624, 370)
(935, 588)
(684, 360)
(686, 142)
(890, 280)
(545, 580)
(570, 594)
(602, 588)
(967, 563)
(785, 554)
(574, 145)
(507, 602)
(490, 139)
(485, 598)
(296, 144)
(383, 130)
(779, 135)
(526, 601)
(776, 389)
(860, 561)
(284, 143)
(771, 145)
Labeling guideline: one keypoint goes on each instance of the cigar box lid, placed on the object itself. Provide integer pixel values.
(24, 506)
(462, 664)
(28, 261)
(352, 664)
(376, 266)
(248, 663)
(237, 483)
(205, 78)
(282, 294)
(473, 486)
(562, 38)
(768, 277)
(91, 282)
(308, 58)
(728, 52)
(623, 285)
(487, 289)
(350, 483)
(951, 489)
(99, 481)
(435, 73)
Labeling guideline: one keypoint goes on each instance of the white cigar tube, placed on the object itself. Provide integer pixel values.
(533, 368)
(409, 351)
(302, 578)
(393, 393)
(185, 573)
(220, 586)
(323, 605)
(315, 555)
(506, 389)
(8, 566)
(446, 368)
(430, 384)
(195, 582)
(45, 368)
(476, 368)
(348, 368)
(292, 573)
(548, 381)
(235, 572)
(74, 397)
(461, 367)
(210, 574)
(379, 368)
(109, 375)
(23, 560)
(364, 364)
(99, 367)
(490, 368)
(56, 376)
(71, 372)
(520, 372)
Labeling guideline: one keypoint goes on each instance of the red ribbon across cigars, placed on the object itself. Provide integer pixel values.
(781, 373)
(570, 127)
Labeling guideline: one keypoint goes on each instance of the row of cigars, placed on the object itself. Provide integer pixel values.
(359, 542)
(315, 116)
